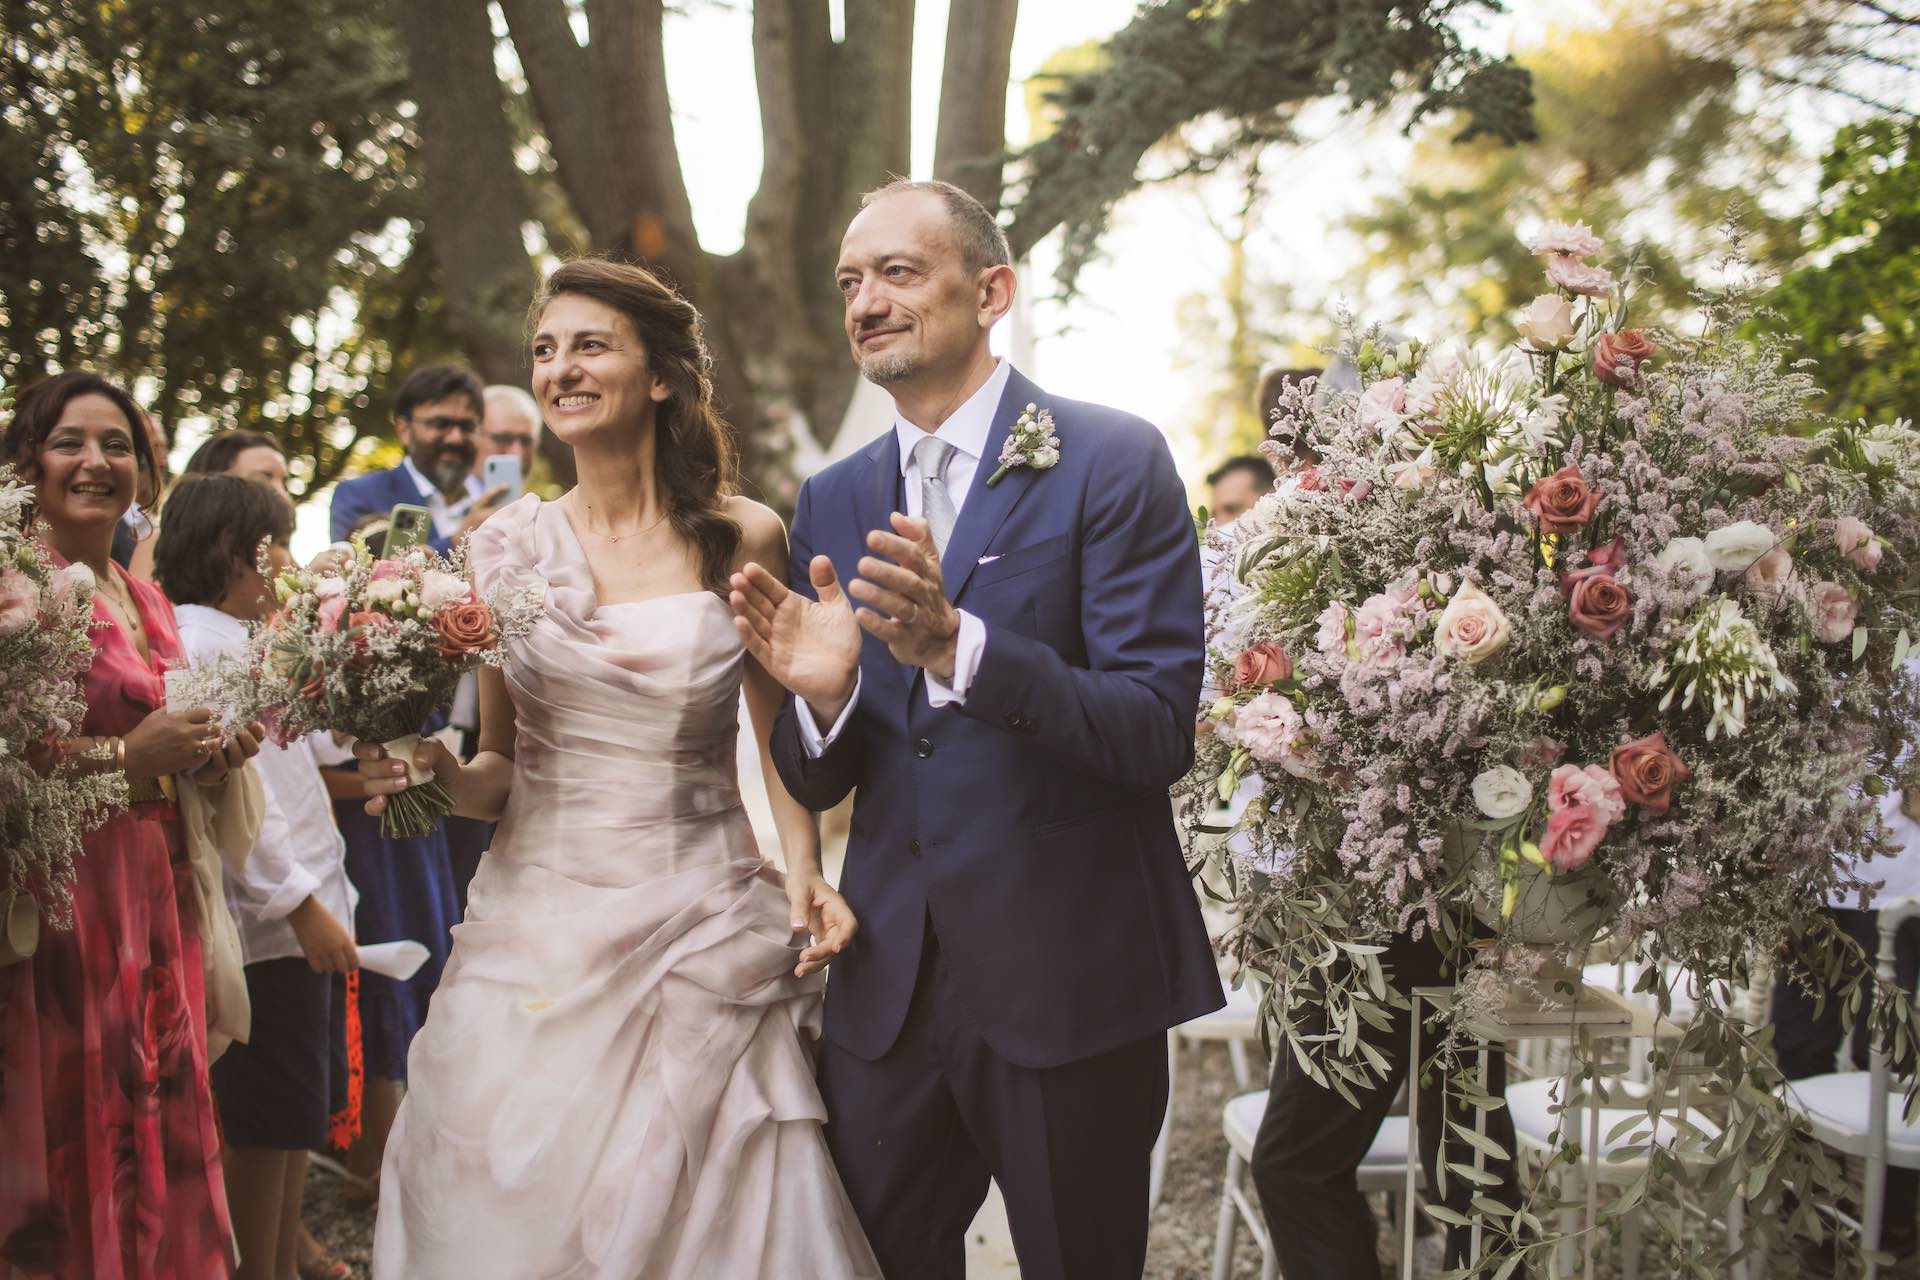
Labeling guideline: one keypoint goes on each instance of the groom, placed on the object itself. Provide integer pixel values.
(1009, 691)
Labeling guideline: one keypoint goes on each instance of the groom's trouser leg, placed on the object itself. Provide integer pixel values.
(896, 1135)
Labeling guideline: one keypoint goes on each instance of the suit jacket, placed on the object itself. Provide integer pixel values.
(377, 491)
(1030, 828)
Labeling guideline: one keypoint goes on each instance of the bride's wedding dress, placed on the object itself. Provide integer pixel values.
(611, 1081)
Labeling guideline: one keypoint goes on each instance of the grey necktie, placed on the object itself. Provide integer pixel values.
(936, 504)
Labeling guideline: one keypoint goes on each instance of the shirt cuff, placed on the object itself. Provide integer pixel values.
(810, 730)
(967, 648)
(299, 885)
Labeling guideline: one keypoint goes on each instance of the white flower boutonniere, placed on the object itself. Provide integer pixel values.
(1031, 443)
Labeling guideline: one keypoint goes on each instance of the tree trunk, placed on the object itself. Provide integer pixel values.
(473, 196)
(972, 136)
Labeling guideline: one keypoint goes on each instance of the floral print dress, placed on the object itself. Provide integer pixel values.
(109, 1155)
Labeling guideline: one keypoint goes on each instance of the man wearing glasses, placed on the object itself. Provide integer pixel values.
(437, 416)
(511, 425)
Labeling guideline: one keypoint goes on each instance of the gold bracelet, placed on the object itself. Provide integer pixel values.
(120, 754)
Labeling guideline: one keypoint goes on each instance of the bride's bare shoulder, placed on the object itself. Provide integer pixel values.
(763, 535)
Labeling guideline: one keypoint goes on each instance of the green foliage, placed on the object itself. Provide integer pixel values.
(1855, 307)
(1638, 132)
(1243, 64)
(217, 205)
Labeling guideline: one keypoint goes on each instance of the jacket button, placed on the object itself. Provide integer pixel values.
(923, 748)
(913, 847)
(1015, 721)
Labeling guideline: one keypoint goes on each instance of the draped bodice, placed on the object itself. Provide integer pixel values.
(625, 715)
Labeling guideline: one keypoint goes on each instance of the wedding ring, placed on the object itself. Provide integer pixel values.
(203, 751)
(909, 617)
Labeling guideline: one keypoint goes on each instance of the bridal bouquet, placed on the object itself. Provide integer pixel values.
(46, 804)
(1605, 632)
(376, 649)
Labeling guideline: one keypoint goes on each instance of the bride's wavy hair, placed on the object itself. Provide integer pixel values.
(698, 466)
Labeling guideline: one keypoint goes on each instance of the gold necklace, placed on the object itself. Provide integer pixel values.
(121, 599)
(631, 533)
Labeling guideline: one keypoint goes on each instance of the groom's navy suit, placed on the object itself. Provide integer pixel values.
(1028, 930)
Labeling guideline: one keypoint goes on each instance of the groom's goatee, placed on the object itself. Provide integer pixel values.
(884, 370)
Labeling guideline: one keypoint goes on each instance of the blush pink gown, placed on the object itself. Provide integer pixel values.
(611, 1081)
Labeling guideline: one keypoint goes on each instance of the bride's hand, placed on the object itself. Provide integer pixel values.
(818, 909)
(812, 647)
(382, 775)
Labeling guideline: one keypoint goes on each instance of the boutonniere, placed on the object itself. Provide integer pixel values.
(1031, 443)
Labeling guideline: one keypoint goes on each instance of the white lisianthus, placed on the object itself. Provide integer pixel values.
(386, 590)
(1502, 792)
(1686, 554)
(438, 590)
(328, 588)
(1734, 548)
(79, 579)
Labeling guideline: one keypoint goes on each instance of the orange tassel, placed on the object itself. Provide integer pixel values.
(345, 1124)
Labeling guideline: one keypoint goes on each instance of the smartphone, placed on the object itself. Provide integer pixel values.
(408, 525)
(502, 469)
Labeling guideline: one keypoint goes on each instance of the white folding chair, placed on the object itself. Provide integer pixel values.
(1234, 1025)
(1383, 1169)
(1858, 1114)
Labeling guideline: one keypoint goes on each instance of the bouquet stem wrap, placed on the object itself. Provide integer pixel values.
(415, 811)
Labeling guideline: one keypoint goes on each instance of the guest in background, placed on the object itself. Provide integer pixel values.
(1236, 485)
(437, 415)
(511, 425)
(406, 892)
(278, 1092)
(1809, 1031)
(133, 539)
(112, 1155)
(251, 455)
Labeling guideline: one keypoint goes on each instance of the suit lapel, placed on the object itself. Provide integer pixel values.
(987, 508)
(877, 496)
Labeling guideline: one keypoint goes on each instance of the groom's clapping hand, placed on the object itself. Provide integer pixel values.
(811, 647)
(907, 598)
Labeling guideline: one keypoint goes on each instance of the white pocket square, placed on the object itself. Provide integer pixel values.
(988, 559)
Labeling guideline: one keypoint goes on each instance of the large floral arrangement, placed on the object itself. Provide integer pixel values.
(46, 804)
(375, 649)
(1611, 612)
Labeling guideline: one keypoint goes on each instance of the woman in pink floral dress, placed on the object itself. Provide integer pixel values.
(111, 1168)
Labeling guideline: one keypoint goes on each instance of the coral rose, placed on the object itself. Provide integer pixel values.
(464, 627)
(1617, 357)
(1562, 502)
(1648, 771)
(1599, 604)
(1264, 664)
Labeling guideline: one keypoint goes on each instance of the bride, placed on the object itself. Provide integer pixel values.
(611, 1081)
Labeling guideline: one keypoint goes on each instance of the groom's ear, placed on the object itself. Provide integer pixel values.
(997, 285)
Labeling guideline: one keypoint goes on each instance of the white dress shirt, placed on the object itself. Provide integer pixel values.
(966, 430)
(299, 853)
(446, 515)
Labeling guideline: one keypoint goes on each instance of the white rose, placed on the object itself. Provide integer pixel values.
(1738, 545)
(1044, 457)
(1502, 792)
(1689, 554)
(328, 588)
(1547, 323)
(438, 590)
(386, 590)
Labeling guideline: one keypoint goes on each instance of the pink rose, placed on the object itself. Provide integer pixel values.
(1571, 835)
(1617, 357)
(1768, 575)
(1831, 611)
(1597, 602)
(1472, 627)
(1857, 543)
(1262, 665)
(1383, 405)
(19, 602)
(331, 611)
(1648, 771)
(1589, 785)
(1612, 555)
(1562, 502)
(1575, 276)
(383, 570)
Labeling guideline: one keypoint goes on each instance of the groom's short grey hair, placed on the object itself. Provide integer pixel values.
(982, 243)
